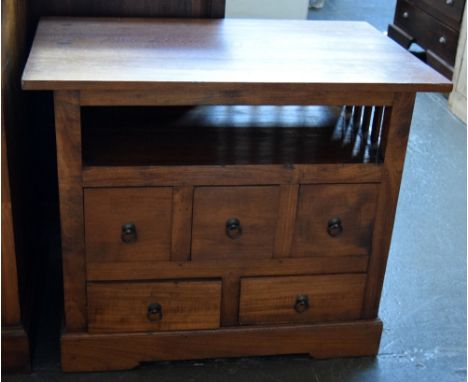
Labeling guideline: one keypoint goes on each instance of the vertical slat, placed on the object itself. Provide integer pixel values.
(366, 121)
(68, 136)
(286, 220)
(397, 138)
(230, 299)
(376, 125)
(181, 223)
(217, 8)
(385, 126)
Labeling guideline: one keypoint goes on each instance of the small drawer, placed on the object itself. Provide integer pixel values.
(154, 306)
(128, 224)
(234, 222)
(294, 299)
(428, 32)
(335, 220)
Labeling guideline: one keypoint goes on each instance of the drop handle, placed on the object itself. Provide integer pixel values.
(302, 303)
(129, 233)
(154, 312)
(335, 227)
(233, 228)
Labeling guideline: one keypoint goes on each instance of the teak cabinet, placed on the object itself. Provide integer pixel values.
(227, 188)
(434, 25)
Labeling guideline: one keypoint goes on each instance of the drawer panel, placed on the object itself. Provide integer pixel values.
(449, 12)
(428, 32)
(301, 299)
(128, 224)
(153, 306)
(234, 222)
(335, 220)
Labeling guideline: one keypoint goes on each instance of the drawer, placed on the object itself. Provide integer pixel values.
(449, 12)
(295, 299)
(428, 32)
(153, 306)
(335, 220)
(128, 224)
(234, 222)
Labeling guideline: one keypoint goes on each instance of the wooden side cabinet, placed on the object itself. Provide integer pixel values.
(434, 25)
(227, 187)
(15, 343)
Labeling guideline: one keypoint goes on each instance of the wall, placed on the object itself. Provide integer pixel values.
(457, 100)
(268, 9)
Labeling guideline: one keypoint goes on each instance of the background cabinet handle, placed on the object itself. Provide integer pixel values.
(302, 303)
(335, 227)
(129, 233)
(233, 228)
(155, 312)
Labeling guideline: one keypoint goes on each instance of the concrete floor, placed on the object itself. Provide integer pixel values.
(424, 299)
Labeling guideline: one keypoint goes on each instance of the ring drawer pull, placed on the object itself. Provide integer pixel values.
(154, 312)
(233, 228)
(302, 303)
(129, 233)
(335, 227)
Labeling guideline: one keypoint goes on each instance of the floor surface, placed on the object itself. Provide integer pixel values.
(424, 298)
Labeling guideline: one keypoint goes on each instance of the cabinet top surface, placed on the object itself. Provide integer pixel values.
(151, 54)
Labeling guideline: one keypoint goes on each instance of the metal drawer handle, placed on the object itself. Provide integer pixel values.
(154, 312)
(405, 14)
(449, 2)
(442, 40)
(335, 227)
(129, 233)
(302, 303)
(233, 228)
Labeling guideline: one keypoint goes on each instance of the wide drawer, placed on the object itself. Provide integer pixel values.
(335, 220)
(128, 224)
(428, 32)
(449, 12)
(234, 222)
(153, 306)
(322, 298)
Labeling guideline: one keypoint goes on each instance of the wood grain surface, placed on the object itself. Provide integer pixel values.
(354, 205)
(131, 54)
(256, 209)
(108, 209)
(84, 352)
(123, 307)
(269, 300)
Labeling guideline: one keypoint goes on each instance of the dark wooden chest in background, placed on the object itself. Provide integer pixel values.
(432, 24)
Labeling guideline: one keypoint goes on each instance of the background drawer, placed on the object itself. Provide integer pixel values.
(428, 32)
(254, 208)
(301, 299)
(352, 207)
(135, 307)
(449, 12)
(108, 210)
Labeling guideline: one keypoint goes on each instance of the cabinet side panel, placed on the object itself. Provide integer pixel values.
(396, 141)
(68, 136)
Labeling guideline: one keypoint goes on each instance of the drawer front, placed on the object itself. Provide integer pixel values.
(128, 224)
(155, 306)
(301, 299)
(428, 32)
(449, 12)
(335, 220)
(234, 222)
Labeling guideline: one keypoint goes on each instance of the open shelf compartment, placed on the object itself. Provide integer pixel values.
(231, 135)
